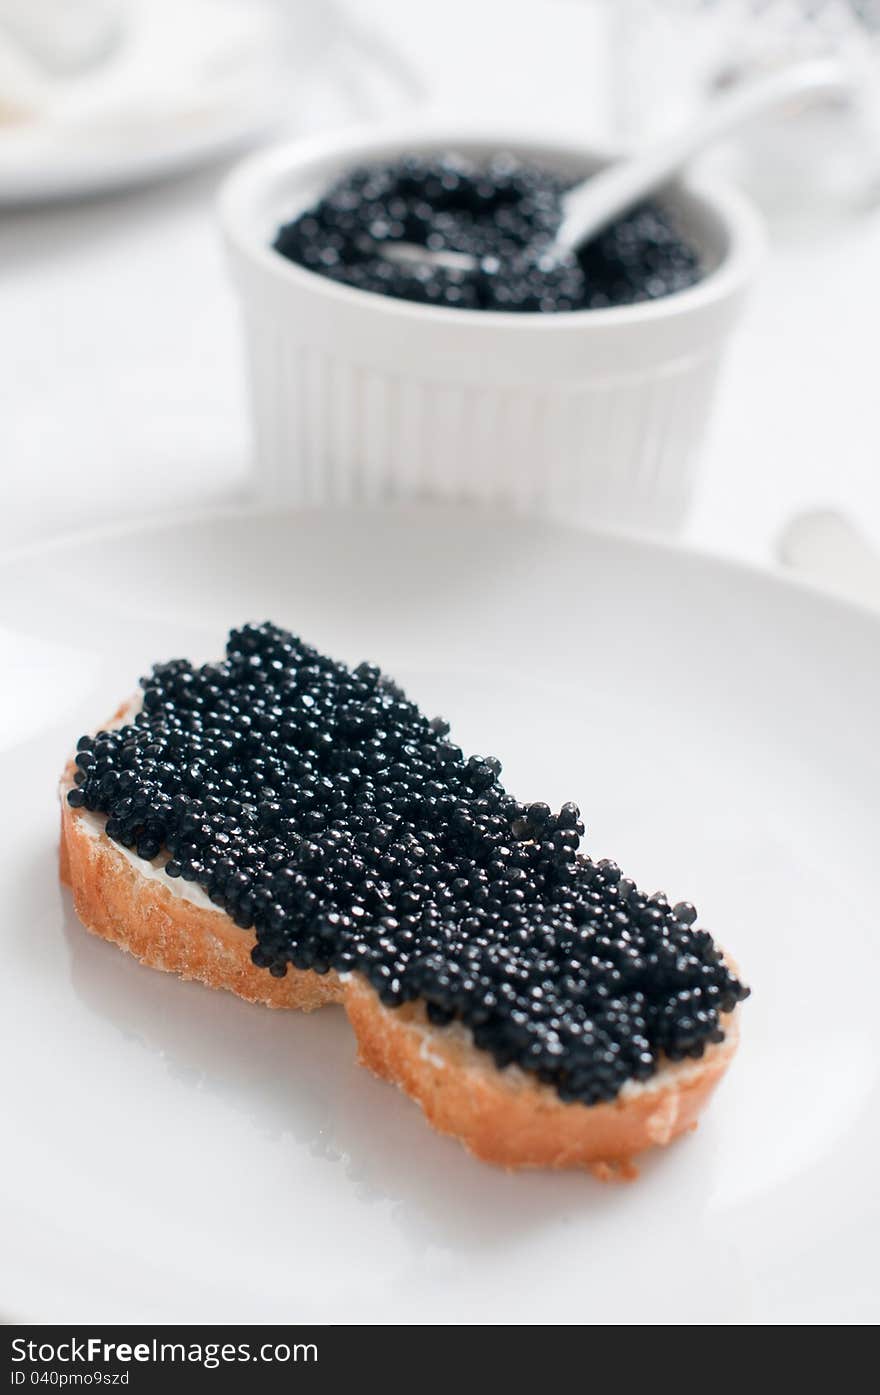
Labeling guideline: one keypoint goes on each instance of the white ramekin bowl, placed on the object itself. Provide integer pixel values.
(595, 415)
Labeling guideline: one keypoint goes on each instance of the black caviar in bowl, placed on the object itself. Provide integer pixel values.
(503, 214)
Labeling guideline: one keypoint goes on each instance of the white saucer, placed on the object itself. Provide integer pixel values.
(176, 1155)
(188, 83)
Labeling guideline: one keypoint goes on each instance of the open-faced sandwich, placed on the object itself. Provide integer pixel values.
(297, 832)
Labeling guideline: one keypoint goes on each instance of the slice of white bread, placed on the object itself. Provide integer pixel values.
(167, 924)
(505, 1116)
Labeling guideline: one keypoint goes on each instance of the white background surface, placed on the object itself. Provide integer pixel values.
(120, 372)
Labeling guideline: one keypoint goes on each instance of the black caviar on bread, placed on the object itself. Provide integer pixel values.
(504, 214)
(316, 806)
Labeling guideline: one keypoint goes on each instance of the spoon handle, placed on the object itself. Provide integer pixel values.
(830, 551)
(595, 203)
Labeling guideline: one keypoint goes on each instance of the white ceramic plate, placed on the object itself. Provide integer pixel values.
(169, 100)
(175, 1154)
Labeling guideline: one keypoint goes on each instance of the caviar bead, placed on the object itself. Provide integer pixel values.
(316, 805)
(684, 913)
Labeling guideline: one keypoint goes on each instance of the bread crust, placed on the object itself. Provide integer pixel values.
(505, 1117)
(508, 1117)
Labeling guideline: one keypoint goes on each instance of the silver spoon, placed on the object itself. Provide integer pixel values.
(589, 207)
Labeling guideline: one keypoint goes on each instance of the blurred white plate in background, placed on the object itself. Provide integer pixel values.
(182, 83)
(175, 1154)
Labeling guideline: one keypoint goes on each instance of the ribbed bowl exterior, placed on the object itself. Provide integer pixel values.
(329, 429)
